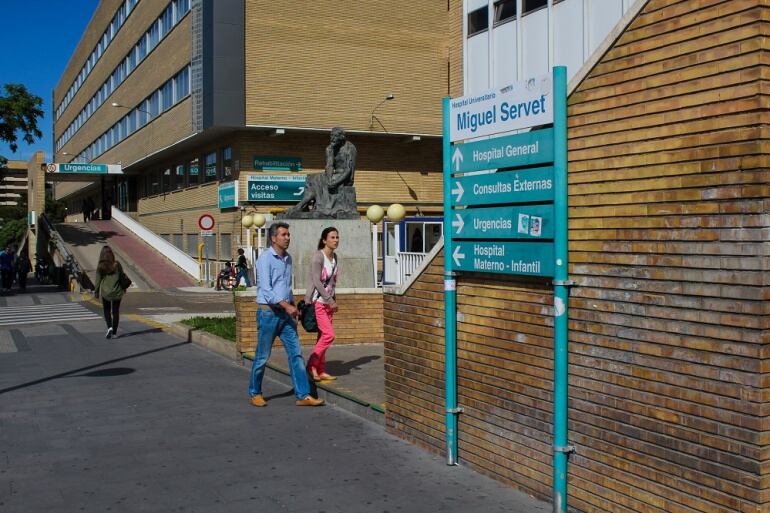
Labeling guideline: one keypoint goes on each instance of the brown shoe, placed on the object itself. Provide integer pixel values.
(258, 401)
(310, 401)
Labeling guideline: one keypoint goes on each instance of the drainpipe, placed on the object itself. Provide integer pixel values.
(450, 305)
(561, 449)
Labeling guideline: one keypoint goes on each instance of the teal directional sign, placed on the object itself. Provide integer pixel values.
(523, 186)
(525, 222)
(228, 194)
(81, 168)
(529, 258)
(511, 151)
(267, 188)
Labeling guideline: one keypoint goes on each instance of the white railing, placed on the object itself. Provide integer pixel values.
(407, 263)
(164, 247)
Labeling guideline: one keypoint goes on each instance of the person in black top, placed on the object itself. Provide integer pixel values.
(242, 265)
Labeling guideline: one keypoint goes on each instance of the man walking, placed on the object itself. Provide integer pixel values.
(243, 269)
(7, 262)
(277, 316)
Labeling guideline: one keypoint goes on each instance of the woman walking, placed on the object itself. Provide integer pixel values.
(322, 282)
(108, 273)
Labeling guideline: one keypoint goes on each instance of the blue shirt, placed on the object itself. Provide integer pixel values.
(6, 261)
(273, 278)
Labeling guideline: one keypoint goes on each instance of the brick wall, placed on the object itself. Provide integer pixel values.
(669, 200)
(359, 319)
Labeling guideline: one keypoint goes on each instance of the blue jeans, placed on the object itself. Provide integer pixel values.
(245, 274)
(271, 324)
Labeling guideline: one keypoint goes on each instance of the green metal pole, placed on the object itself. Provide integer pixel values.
(450, 304)
(561, 293)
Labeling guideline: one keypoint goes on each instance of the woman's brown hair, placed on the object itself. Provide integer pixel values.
(107, 263)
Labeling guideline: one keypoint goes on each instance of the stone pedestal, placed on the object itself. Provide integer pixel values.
(354, 255)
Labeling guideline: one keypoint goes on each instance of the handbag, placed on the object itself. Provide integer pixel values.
(124, 281)
(307, 310)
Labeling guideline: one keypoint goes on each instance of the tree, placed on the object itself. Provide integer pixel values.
(19, 112)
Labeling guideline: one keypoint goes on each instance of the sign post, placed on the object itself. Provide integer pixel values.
(505, 211)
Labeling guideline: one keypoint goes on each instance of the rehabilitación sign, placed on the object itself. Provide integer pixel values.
(267, 188)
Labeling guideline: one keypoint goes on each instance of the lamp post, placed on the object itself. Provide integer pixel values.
(372, 117)
(375, 214)
(248, 221)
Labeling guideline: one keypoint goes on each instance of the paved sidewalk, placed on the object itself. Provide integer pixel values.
(149, 422)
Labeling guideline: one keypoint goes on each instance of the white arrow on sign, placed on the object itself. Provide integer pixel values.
(457, 158)
(458, 191)
(459, 223)
(457, 256)
(299, 192)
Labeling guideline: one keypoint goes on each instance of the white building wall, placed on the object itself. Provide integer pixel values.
(564, 33)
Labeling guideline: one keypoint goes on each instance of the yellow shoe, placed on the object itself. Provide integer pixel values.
(258, 401)
(327, 377)
(310, 401)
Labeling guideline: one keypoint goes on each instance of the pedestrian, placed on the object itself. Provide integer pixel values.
(6, 268)
(108, 272)
(84, 209)
(90, 207)
(23, 267)
(277, 316)
(243, 269)
(321, 285)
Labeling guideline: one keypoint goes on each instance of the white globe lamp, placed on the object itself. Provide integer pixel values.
(375, 213)
(396, 212)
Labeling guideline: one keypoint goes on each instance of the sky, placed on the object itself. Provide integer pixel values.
(39, 37)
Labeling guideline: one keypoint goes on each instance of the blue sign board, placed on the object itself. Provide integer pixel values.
(523, 186)
(511, 151)
(521, 222)
(272, 188)
(527, 258)
(228, 194)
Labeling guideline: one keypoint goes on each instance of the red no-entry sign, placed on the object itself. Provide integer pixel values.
(206, 222)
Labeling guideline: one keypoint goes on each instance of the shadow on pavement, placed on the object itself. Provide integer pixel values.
(83, 235)
(105, 373)
(340, 368)
(74, 371)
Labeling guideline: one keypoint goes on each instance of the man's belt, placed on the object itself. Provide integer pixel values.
(272, 308)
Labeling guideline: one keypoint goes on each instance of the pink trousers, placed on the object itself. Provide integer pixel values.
(323, 316)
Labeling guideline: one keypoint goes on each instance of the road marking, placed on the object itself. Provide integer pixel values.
(34, 314)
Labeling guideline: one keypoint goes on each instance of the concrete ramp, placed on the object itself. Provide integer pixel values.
(147, 268)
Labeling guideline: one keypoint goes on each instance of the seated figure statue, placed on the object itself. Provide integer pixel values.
(330, 195)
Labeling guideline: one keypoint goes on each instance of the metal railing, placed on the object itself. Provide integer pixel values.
(407, 263)
(58, 248)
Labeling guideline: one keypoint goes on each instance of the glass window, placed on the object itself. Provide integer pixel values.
(192, 244)
(153, 104)
(167, 180)
(176, 240)
(182, 84)
(179, 175)
(227, 163)
(532, 5)
(168, 19)
(153, 35)
(194, 172)
(505, 10)
(211, 167)
(225, 241)
(167, 95)
(478, 21)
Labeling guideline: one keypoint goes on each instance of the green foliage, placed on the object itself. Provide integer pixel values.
(19, 112)
(220, 326)
(55, 210)
(12, 231)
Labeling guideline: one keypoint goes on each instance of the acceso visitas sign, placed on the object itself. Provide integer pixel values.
(520, 105)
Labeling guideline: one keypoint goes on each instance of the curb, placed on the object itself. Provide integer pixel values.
(348, 402)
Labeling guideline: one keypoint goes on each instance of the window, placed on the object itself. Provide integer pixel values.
(533, 5)
(478, 21)
(179, 174)
(505, 10)
(225, 244)
(167, 180)
(192, 244)
(167, 95)
(193, 171)
(227, 163)
(211, 167)
(176, 240)
(182, 84)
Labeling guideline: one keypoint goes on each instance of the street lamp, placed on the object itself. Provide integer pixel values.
(375, 214)
(372, 117)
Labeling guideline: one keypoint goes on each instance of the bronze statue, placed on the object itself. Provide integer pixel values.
(330, 195)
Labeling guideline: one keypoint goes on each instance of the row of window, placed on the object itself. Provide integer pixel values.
(166, 96)
(218, 165)
(173, 13)
(101, 46)
(209, 244)
(504, 11)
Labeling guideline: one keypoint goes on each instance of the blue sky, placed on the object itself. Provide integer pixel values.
(38, 38)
